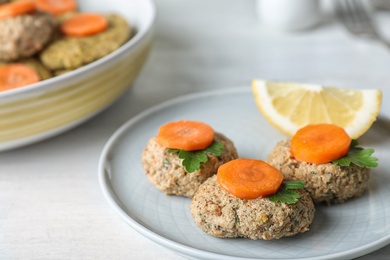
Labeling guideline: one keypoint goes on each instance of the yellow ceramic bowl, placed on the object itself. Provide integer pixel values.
(38, 111)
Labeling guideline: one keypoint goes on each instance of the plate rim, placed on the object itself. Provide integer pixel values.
(180, 248)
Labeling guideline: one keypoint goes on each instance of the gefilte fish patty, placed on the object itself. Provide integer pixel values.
(69, 53)
(165, 170)
(328, 182)
(23, 36)
(221, 214)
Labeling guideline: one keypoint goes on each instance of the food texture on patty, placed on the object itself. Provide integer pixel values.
(327, 182)
(221, 214)
(166, 171)
(334, 167)
(69, 53)
(23, 36)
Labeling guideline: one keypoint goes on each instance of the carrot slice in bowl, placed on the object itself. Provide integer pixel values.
(185, 135)
(84, 24)
(249, 179)
(320, 143)
(56, 7)
(16, 8)
(17, 75)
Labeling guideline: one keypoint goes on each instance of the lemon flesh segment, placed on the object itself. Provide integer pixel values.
(291, 106)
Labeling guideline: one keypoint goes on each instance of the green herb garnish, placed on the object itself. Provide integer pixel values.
(284, 194)
(166, 163)
(193, 159)
(359, 156)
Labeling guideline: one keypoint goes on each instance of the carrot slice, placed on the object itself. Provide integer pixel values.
(56, 7)
(84, 24)
(320, 143)
(248, 178)
(185, 135)
(17, 75)
(16, 8)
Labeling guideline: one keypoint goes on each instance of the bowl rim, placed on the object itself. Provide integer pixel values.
(79, 73)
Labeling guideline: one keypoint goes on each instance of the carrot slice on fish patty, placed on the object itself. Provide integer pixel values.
(249, 179)
(84, 24)
(16, 8)
(185, 135)
(56, 7)
(320, 143)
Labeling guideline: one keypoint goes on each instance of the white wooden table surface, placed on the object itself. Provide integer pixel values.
(51, 205)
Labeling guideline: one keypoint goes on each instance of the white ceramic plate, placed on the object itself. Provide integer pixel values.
(343, 231)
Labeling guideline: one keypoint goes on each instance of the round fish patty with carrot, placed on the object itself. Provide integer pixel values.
(310, 154)
(165, 169)
(328, 183)
(67, 53)
(219, 213)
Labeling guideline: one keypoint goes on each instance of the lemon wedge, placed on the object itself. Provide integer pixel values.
(291, 106)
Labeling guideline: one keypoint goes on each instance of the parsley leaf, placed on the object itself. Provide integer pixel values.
(293, 185)
(215, 148)
(193, 159)
(359, 156)
(284, 194)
